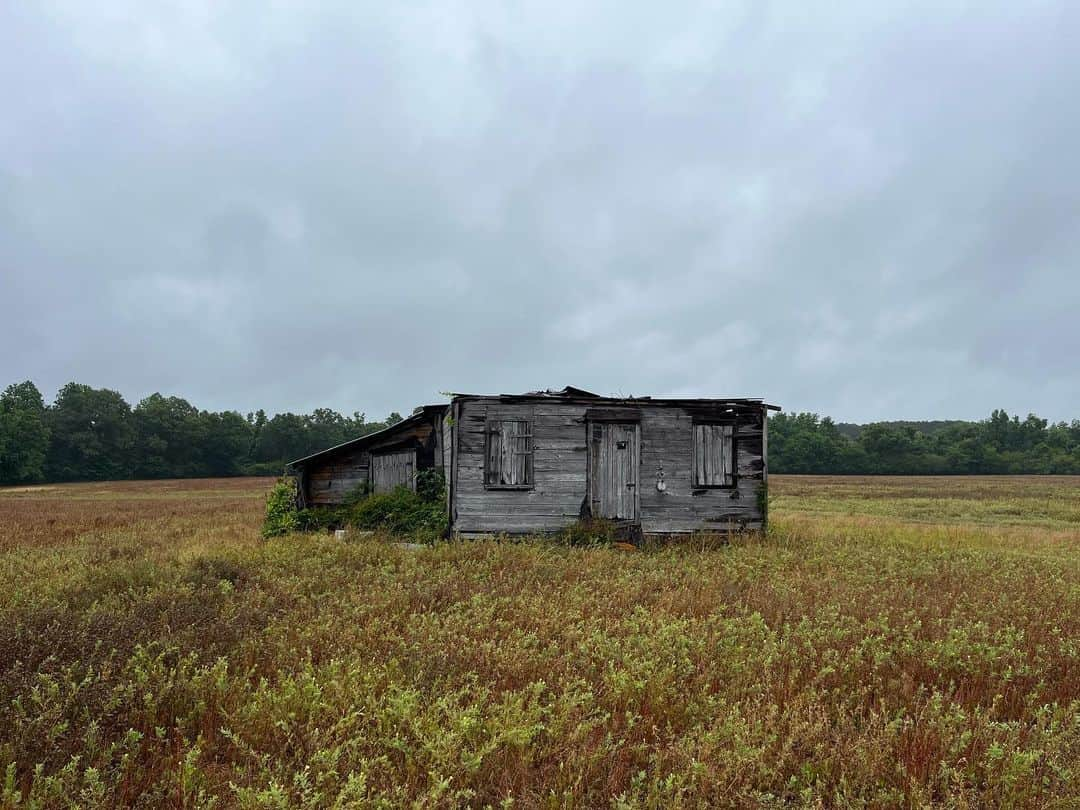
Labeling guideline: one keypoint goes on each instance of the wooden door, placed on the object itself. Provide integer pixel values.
(392, 470)
(613, 470)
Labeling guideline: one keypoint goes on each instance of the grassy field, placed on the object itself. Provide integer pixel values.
(893, 642)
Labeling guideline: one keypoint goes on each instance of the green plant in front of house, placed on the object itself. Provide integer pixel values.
(420, 515)
(281, 512)
(321, 518)
(431, 485)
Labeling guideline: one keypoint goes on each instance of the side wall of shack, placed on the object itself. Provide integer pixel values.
(327, 480)
(558, 494)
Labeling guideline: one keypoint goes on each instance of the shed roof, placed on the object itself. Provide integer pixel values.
(417, 416)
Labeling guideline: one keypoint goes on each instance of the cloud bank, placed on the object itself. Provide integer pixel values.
(868, 211)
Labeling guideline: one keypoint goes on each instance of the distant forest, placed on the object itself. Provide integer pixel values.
(93, 434)
(1001, 444)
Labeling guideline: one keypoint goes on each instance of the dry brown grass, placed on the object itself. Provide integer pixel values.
(871, 651)
(54, 514)
(1003, 500)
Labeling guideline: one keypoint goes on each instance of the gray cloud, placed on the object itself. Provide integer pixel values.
(869, 211)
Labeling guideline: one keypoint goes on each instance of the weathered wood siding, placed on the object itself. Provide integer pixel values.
(667, 440)
(559, 469)
(559, 494)
(329, 481)
(393, 469)
(446, 443)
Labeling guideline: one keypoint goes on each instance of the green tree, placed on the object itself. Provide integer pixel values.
(807, 443)
(91, 435)
(897, 450)
(283, 438)
(170, 438)
(227, 440)
(24, 436)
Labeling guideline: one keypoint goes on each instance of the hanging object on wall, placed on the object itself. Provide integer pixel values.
(661, 484)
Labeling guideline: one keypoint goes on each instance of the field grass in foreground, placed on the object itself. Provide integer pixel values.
(892, 643)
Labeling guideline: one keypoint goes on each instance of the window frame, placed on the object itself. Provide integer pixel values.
(694, 484)
(530, 454)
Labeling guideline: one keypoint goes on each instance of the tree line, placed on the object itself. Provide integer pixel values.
(1002, 444)
(93, 434)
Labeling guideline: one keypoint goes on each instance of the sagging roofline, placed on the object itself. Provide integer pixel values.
(568, 394)
(419, 415)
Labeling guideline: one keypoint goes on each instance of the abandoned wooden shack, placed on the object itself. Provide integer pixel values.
(538, 462)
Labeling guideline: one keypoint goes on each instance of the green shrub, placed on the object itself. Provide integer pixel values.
(281, 512)
(420, 515)
(431, 485)
(325, 518)
(401, 512)
(357, 493)
(321, 518)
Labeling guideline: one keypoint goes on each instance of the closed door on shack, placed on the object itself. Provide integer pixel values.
(613, 470)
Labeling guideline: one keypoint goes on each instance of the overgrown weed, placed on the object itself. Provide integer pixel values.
(847, 659)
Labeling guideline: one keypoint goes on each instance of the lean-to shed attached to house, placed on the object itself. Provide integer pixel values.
(538, 462)
(377, 462)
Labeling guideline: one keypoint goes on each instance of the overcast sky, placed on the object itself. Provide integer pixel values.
(871, 212)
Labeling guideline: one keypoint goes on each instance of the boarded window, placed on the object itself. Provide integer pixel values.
(714, 455)
(509, 454)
